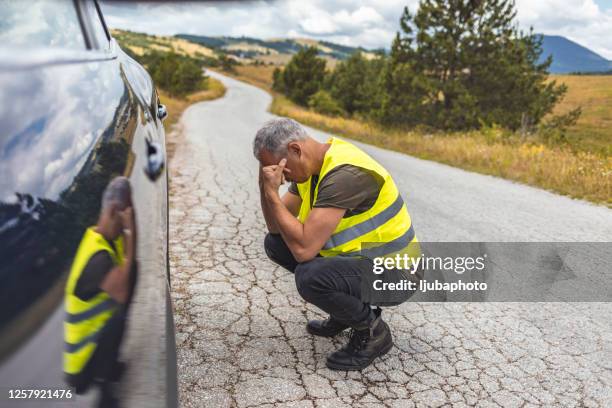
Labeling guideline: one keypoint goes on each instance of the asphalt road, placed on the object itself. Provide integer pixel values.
(241, 339)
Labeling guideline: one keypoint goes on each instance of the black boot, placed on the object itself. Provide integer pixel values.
(325, 328)
(107, 397)
(368, 341)
(119, 369)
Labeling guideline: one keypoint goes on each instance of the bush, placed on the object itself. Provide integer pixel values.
(178, 75)
(554, 130)
(187, 78)
(227, 64)
(354, 84)
(322, 102)
(302, 77)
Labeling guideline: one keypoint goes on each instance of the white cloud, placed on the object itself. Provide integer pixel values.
(582, 21)
(368, 23)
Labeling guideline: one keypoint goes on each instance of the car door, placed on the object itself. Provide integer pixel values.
(75, 111)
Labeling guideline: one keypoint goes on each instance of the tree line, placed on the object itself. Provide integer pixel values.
(176, 74)
(454, 65)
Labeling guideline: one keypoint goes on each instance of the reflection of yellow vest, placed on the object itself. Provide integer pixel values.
(383, 230)
(86, 318)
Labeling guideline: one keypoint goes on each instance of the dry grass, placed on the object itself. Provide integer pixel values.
(258, 75)
(593, 93)
(139, 43)
(176, 106)
(578, 174)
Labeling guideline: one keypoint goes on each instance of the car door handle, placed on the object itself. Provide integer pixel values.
(155, 159)
(162, 112)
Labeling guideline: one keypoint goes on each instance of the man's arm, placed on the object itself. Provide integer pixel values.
(304, 240)
(88, 284)
(291, 201)
(116, 282)
(270, 222)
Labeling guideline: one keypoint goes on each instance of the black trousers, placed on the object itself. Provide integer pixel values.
(101, 364)
(333, 284)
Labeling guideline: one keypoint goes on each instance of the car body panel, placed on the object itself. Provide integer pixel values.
(70, 121)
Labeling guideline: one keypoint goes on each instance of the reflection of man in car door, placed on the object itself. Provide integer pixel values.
(98, 293)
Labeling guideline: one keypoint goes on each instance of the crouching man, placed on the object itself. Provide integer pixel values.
(97, 295)
(339, 199)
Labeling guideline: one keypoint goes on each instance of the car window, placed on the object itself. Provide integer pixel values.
(40, 23)
(97, 27)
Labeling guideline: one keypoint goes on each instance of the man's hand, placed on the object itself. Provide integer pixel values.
(116, 282)
(291, 201)
(127, 218)
(273, 176)
(129, 233)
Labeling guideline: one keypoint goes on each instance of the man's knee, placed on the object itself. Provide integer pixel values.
(271, 245)
(279, 252)
(306, 279)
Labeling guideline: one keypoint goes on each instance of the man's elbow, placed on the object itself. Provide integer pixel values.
(118, 294)
(272, 230)
(302, 255)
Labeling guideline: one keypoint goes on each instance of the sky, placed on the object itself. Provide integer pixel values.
(367, 23)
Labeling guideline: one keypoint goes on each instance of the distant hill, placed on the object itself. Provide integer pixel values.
(273, 50)
(569, 56)
(139, 43)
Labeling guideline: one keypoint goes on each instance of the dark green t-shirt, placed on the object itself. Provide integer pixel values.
(96, 269)
(350, 187)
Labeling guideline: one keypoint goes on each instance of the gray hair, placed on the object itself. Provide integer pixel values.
(276, 134)
(117, 191)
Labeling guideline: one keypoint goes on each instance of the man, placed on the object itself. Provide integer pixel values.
(98, 293)
(339, 199)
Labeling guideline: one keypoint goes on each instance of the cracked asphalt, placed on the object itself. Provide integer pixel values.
(240, 323)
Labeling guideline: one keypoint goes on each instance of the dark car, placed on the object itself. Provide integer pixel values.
(75, 112)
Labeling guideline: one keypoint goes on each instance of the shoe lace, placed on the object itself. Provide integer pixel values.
(358, 338)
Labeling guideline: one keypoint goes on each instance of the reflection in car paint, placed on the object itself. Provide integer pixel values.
(70, 121)
(45, 236)
(55, 167)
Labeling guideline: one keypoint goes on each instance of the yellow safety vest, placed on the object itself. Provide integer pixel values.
(86, 318)
(382, 231)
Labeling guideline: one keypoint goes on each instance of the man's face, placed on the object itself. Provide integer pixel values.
(295, 169)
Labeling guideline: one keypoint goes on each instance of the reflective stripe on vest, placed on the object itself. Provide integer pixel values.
(383, 230)
(366, 226)
(85, 319)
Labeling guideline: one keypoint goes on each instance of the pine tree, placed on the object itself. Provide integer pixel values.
(277, 80)
(402, 89)
(461, 64)
(302, 77)
(354, 83)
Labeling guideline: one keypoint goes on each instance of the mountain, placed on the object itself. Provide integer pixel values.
(277, 51)
(569, 56)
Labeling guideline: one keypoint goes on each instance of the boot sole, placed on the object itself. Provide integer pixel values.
(340, 367)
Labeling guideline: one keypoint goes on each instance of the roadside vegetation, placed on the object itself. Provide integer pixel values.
(176, 67)
(579, 168)
(461, 85)
(492, 109)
